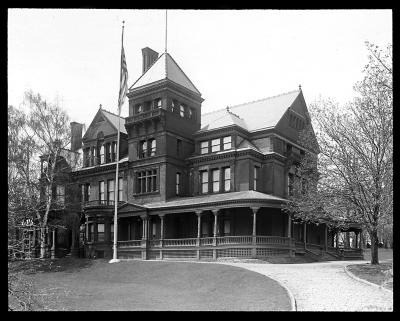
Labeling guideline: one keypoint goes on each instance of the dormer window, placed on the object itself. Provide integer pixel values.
(182, 110)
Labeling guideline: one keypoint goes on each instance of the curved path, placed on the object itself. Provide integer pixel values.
(324, 286)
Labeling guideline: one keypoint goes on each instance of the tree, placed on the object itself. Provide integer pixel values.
(352, 179)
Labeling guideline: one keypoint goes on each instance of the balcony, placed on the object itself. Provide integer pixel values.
(144, 116)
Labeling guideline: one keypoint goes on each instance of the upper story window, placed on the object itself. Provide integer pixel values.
(190, 113)
(114, 151)
(157, 103)
(110, 190)
(173, 106)
(60, 194)
(178, 183)
(256, 176)
(227, 142)
(102, 159)
(101, 191)
(227, 179)
(182, 110)
(204, 182)
(152, 143)
(143, 149)
(139, 109)
(146, 181)
(215, 180)
(216, 145)
(85, 192)
(204, 147)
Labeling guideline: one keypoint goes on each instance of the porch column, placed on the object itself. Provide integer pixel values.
(356, 233)
(254, 239)
(198, 213)
(53, 245)
(305, 235)
(326, 238)
(144, 243)
(215, 212)
(87, 229)
(289, 229)
(161, 234)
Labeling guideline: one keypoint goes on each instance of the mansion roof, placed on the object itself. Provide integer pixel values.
(252, 116)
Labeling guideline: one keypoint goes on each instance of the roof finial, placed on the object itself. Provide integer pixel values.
(100, 106)
(299, 87)
(227, 109)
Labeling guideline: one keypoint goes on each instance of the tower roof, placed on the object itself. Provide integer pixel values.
(164, 67)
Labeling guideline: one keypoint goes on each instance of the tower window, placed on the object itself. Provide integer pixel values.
(178, 183)
(182, 110)
(152, 144)
(139, 109)
(143, 149)
(227, 142)
(190, 113)
(256, 177)
(216, 145)
(157, 103)
(204, 147)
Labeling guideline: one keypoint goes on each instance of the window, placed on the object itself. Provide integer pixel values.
(101, 190)
(227, 143)
(139, 109)
(88, 191)
(120, 189)
(177, 183)
(178, 147)
(227, 228)
(100, 232)
(91, 232)
(215, 180)
(60, 194)
(85, 192)
(227, 179)
(143, 149)
(114, 151)
(154, 230)
(152, 144)
(146, 181)
(102, 154)
(204, 147)
(204, 182)
(94, 151)
(215, 145)
(110, 191)
(108, 152)
(157, 103)
(173, 106)
(256, 177)
(182, 110)
(190, 113)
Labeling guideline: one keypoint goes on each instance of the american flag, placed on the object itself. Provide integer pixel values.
(123, 87)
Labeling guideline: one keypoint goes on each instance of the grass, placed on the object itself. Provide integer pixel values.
(383, 254)
(82, 284)
(381, 274)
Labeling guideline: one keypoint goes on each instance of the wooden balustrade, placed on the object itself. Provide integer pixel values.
(276, 240)
(234, 240)
(206, 241)
(180, 242)
(155, 243)
(130, 243)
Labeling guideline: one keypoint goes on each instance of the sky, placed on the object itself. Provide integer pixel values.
(72, 56)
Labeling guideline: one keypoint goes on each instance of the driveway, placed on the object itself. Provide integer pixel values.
(324, 286)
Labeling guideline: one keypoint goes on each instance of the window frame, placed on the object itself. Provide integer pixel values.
(101, 193)
(227, 180)
(178, 183)
(216, 180)
(102, 234)
(212, 145)
(224, 144)
(204, 183)
(202, 148)
(112, 185)
(256, 177)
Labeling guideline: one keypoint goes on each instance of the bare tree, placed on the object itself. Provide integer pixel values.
(354, 177)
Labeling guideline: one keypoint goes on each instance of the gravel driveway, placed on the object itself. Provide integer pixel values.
(325, 286)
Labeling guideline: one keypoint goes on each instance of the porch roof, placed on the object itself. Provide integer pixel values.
(209, 200)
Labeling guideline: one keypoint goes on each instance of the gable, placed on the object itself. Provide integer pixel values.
(104, 122)
(132, 208)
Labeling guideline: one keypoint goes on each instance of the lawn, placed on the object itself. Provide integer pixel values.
(381, 274)
(383, 254)
(82, 284)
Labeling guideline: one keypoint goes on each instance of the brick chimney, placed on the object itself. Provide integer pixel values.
(76, 136)
(149, 56)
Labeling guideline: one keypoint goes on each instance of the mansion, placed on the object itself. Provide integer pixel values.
(194, 185)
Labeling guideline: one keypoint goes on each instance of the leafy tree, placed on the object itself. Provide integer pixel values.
(352, 179)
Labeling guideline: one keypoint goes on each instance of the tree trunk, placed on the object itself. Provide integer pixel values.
(374, 247)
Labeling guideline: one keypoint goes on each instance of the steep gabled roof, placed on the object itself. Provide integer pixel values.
(224, 119)
(164, 67)
(111, 118)
(255, 115)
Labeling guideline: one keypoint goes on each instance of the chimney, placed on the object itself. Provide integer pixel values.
(76, 136)
(149, 56)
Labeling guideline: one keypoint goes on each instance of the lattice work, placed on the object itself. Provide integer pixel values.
(154, 255)
(206, 254)
(183, 254)
(130, 255)
(234, 252)
(272, 252)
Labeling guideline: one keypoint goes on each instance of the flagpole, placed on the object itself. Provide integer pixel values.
(115, 256)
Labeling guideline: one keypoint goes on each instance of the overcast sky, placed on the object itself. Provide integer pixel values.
(232, 56)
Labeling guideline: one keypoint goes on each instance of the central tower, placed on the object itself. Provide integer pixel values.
(164, 112)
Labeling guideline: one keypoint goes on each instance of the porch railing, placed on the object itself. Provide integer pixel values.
(223, 240)
(273, 240)
(130, 243)
(206, 241)
(180, 242)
